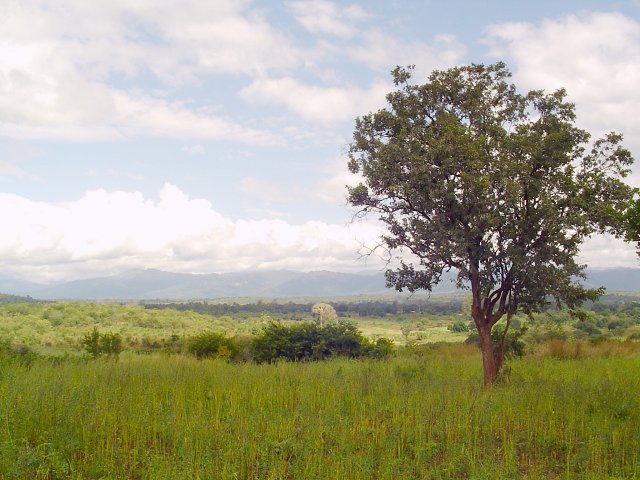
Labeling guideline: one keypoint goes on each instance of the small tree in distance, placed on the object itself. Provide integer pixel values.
(96, 344)
(468, 174)
(323, 313)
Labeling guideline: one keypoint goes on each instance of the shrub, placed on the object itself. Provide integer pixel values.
(213, 345)
(545, 334)
(308, 341)
(382, 348)
(587, 327)
(97, 344)
(458, 327)
(111, 344)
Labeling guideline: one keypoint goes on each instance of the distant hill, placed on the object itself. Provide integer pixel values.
(614, 279)
(15, 286)
(156, 284)
(8, 298)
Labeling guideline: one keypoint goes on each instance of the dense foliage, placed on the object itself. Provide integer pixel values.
(213, 345)
(309, 341)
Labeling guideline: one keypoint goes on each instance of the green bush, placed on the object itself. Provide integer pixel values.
(382, 348)
(308, 341)
(587, 327)
(97, 344)
(546, 333)
(458, 327)
(213, 345)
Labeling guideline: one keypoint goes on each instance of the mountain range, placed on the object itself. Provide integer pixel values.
(157, 284)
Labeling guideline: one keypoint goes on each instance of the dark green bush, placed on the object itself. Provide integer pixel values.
(97, 344)
(587, 327)
(546, 333)
(213, 345)
(308, 341)
(382, 348)
(458, 327)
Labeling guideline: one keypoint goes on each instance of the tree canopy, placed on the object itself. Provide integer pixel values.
(469, 174)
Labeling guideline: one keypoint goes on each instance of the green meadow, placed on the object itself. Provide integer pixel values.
(159, 417)
(568, 409)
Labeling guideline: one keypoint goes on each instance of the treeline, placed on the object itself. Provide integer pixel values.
(607, 305)
(290, 309)
(12, 299)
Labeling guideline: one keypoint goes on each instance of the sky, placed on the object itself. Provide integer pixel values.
(210, 136)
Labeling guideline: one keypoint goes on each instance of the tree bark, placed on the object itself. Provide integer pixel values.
(490, 363)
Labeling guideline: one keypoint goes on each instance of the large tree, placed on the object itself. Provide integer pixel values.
(468, 174)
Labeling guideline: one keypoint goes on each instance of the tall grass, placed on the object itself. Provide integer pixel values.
(148, 417)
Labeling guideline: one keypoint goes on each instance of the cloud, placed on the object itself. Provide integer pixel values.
(107, 232)
(141, 115)
(323, 17)
(329, 186)
(333, 189)
(603, 251)
(74, 71)
(334, 99)
(318, 103)
(383, 52)
(175, 41)
(596, 56)
(48, 98)
(74, 76)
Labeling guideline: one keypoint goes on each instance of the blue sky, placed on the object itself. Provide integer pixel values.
(209, 136)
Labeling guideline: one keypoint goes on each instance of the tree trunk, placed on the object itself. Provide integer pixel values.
(490, 363)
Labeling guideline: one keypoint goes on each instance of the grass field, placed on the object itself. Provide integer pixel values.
(427, 416)
(569, 409)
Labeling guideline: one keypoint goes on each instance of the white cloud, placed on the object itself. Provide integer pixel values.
(323, 17)
(328, 187)
(174, 40)
(603, 251)
(141, 115)
(333, 189)
(324, 104)
(57, 61)
(383, 52)
(45, 96)
(595, 56)
(106, 232)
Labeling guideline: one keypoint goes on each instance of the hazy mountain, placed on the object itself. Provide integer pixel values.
(624, 279)
(156, 284)
(15, 286)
